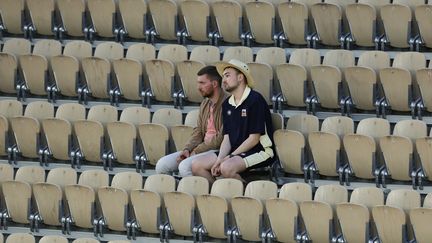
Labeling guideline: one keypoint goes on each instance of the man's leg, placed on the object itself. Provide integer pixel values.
(167, 164)
(185, 167)
(232, 167)
(202, 165)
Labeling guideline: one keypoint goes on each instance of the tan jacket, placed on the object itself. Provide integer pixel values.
(196, 141)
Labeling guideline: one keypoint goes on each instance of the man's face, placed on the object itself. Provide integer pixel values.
(230, 79)
(206, 86)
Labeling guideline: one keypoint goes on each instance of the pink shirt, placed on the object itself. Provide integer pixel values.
(211, 129)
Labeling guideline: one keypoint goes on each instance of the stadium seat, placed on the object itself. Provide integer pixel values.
(180, 206)
(13, 17)
(423, 18)
(264, 73)
(328, 22)
(71, 112)
(18, 195)
(303, 123)
(261, 17)
(196, 17)
(249, 210)
(353, 230)
(135, 115)
(191, 118)
(180, 135)
(78, 49)
(5, 135)
(294, 85)
(81, 201)
(367, 196)
(129, 76)
(141, 52)
(419, 218)
(103, 20)
(363, 88)
(327, 84)
(148, 203)
(424, 150)
(165, 20)
(103, 114)
(155, 138)
(215, 211)
(6, 174)
(161, 74)
(49, 201)
(47, 48)
(35, 73)
(91, 143)
(62, 176)
(187, 71)
(241, 53)
(115, 213)
(53, 239)
(85, 240)
(273, 56)
(290, 148)
(66, 72)
(94, 178)
(97, 73)
(206, 54)
(73, 18)
(229, 21)
(339, 125)
(134, 18)
(109, 50)
(11, 108)
(42, 18)
(168, 117)
(362, 18)
(423, 77)
(294, 17)
(20, 237)
(397, 21)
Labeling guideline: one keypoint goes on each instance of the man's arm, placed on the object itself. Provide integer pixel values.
(224, 150)
(248, 144)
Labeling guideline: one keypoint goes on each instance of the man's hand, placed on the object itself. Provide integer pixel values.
(183, 155)
(215, 170)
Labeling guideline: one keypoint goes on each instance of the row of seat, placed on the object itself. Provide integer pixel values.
(336, 83)
(372, 152)
(247, 22)
(99, 137)
(28, 238)
(257, 212)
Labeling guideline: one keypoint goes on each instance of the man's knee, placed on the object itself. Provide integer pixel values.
(227, 170)
(164, 165)
(185, 169)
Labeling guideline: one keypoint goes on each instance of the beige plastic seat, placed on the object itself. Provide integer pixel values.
(66, 75)
(397, 20)
(129, 76)
(283, 212)
(94, 178)
(20, 237)
(141, 52)
(412, 129)
(367, 196)
(292, 156)
(103, 114)
(17, 46)
(374, 59)
(228, 16)
(148, 202)
(353, 230)
(180, 205)
(72, 14)
(4, 135)
(35, 70)
(398, 157)
(96, 72)
(362, 18)
(328, 20)
(85, 240)
(173, 53)
(161, 79)
(168, 117)
(304, 124)
(124, 146)
(277, 121)
(424, 150)
(327, 84)
(196, 16)
(191, 118)
(362, 86)
(390, 223)
(294, 18)
(78, 49)
(293, 82)
(8, 68)
(206, 54)
(419, 218)
(81, 201)
(187, 71)
(361, 155)
(12, 14)
(339, 125)
(127, 180)
(331, 194)
(6, 174)
(53, 239)
(114, 204)
(305, 57)
(180, 135)
(155, 141)
(374, 127)
(215, 210)
(264, 73)
(58, 134)
(317, 217)
(325, 148)
(134, 17)
(339, 58)
(62, 176)
(39, 110)
(41, 16)
(71, 112)
(261, 18)
(18, 194)
(423, 78)
(249, 209)
(47, 48)
(164, 14)
(241, 53)
(109, 50)
(273, 56)
(118, 241)
(49, 203)
(135, 115)
(102, 14)
(11, 108)
(423, 16)
(90, 136)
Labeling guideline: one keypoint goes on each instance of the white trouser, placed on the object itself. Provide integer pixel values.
(168, 163)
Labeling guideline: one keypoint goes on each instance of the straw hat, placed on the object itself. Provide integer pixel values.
(240, 66)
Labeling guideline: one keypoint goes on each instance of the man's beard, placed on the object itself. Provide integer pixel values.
(207, 94)
(230, 89)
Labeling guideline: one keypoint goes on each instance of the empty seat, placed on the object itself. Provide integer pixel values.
(206, 54)
(81, 201)
(103, 114)
(11, 108)
(49, 202)
(328, 21)
(228, 15)
(97, 75)
(294, 87)
(264, 73)
(20, 237)
(327, 84)
(78, 49)
(181, 205)
(362, 87)
(47, 48)
(6, 174)
(103, 19)
(303, 123)
(114, 205)
(66, 71)
(13, 17)
(423, 17)
(72, 14)
(134, 18)
(161, 78)
(271, 55)
(58, 134)
(53, 239)
(180, 135)
(397, 24)
(241, 53)
(362, 18)
(339, 125)
(141, 52)
(419, 218)
(188, 76)
(154, 138)
(135, 115)
(35, 71)
(168, 117)
(398, 90)
(290, 148)
(261, 18)
(109, 50)
(165, 20)
(361, 155)
(71, 112)
(85, 240)
(295, 19)
(129, 76)
(325, 148)
(424, 150)
(196, 16)
(91, 145)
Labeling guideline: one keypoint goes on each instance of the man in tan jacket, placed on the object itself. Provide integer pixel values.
(207, 135)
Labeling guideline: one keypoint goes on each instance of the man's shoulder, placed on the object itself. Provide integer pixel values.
(255, 96)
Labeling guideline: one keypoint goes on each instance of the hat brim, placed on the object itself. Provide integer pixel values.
(221, 66)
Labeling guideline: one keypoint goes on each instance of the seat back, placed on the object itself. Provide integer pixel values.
(53, 239)
(168, 117)
(327, 83)
(133, 13)
(317, 217)
(390, 223)
(367, 196)
(331, 194)
(102, 13)
(294, 18)
(20, 237)
(424, 150)
(71, 112)
(261, 18)
(161, 77)
(296, 191)
(103, 114)
(180, 135)
(49, 202)
(27, 135)
(362, 86)
(241, 53)
(339, 125)
(362, 19)
(77, 48)
(97, 72)
(293, 82)
(188, 76)
(412, 129)
(62, 176)
(248, 213)
(228, 15)
(129, 77)
(398, 152)
(194, 185)
(66, 74)
(90, 136)
(35, 71)
(114, 204)
(109, 50)
(12, 13)
(155, 140)
(327, 18)
(81, 204)
(164, 16)
(172, 52)
(135, 115)
(374, 127)
(303, 123)
(58, 134)
(264, 73)
(39, 110)
(17, 196)
(127, 181)
(291, 157)
(261, 190)
(325, 147)
(196, 15)
(94, 178)
(361, 150)
(397, 21)
(47, 48)
(141, 51)
(205, 54)
(353, 230)
(72, 16)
